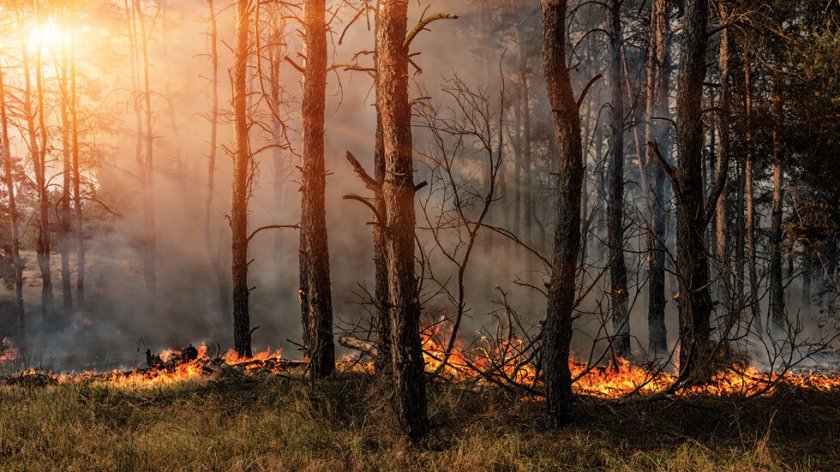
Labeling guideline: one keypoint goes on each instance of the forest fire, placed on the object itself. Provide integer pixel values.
(486, 365)
(468, 224)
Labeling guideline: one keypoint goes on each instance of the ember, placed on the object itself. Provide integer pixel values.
(8, 352)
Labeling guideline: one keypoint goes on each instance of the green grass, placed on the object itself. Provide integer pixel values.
(345, 424)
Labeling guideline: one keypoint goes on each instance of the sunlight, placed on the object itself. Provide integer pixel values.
(47, 37)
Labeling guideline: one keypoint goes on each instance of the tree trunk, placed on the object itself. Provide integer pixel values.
(721, 223)
(241, 173)
(692, 260)
(382, 322)
(216, 264)
(615, 188)
(398, 193)
(316, 297)
(78, 222)
(149, 260)
(527, 190)
(807, 271)
(658, 80)
(557, 331)
(67, 178)
(755, 310)
(14, 231)
(38, 156)
(777, 292)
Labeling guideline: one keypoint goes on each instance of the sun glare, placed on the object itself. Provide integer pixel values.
(46, 36)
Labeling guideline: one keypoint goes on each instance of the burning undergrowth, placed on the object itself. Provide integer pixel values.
(511, 364)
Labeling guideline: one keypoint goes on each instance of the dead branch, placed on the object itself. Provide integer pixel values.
(421, 25)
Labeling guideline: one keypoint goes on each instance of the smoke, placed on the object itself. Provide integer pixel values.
(481, 48)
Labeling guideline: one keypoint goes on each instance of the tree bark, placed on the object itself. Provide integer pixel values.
(557, 331)
(14, 231)
(241, 174)
(658, 82)
(67, 182)
(316, 297)
(37, 154)
(755, 310)
(382, 322)
(78, 221)
(721, 222)
(398, 193)
(615, 188)
(692, 261)
(777, 292)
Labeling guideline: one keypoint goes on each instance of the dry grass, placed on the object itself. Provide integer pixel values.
(344, 424)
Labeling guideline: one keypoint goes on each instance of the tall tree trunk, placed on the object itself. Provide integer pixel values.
(14, 231)
(382, 321)
(65, 221)
(149, 259)
(740, 243)
(658, 82)
(721, 223)
(398, 193)
(78, 222)
(615, 188)
(38, 156)
(692, 260)
(777, 292)
(557, 331)
(316, 297)
(517, 167)
(241, 177)
(755, 310)
(221, 278)
(527, 190)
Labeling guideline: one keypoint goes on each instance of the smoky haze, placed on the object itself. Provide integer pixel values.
(478, 49)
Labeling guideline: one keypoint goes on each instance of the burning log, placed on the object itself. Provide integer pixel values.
(367, 347)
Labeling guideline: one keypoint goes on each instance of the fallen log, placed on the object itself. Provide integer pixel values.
(367, 347)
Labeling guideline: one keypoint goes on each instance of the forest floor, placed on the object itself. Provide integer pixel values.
(285, 423)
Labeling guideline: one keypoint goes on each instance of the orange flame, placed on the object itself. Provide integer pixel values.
(485, 363)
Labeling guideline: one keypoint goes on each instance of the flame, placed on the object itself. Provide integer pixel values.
(484, 363)
(8, 352)
(509, 362)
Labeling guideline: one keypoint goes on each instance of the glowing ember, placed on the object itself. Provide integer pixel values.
(8, 352)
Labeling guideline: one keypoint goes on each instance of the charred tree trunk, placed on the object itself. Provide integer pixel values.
(316, 297)
(14, 231)
(692, 217)
(777, 292)
(615, 188)
(557, 331)
(398, 194)
(658, 82)
(241, 177)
